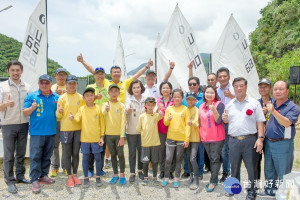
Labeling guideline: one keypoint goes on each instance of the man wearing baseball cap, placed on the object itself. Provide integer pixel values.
(115, 73)
(60, 88)
(41, 106)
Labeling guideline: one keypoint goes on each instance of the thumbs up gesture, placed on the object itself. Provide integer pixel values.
(264, 108)
(190, 65)
(60, 109)
(270, 107)
(171, 64)
(9, 102)
(129, 110)
(98, 96)
(170, 117)
(33, 105)
(58, 91)
(80, 58)
(107, 107)
(150, 63)
(225, 116)
(212, 108)
(190, 123)
(71, 116)
(227, 93)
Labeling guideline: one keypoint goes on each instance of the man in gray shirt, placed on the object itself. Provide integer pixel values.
(245, 118)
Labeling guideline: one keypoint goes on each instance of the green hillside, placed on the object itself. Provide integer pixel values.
(275, 44)
(10, 50)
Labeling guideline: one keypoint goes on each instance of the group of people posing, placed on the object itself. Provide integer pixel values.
(162, 126)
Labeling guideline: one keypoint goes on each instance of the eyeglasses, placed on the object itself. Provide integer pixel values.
(210, 79)
(192, 84)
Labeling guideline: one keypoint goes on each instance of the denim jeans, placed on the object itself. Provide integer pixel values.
(200, 158)
(41, 149)
(225, 153)
(185, 166)
(278, 162)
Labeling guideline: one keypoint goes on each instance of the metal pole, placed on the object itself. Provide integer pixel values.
(47, 37)
(155, 61)
(8, 7)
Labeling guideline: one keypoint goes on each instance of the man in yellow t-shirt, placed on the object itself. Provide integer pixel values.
(115, 73)
(60, 88)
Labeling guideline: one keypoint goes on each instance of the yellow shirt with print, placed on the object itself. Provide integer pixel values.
(92, 123)
(115, 118)
(123, 85)
(69, 103)
(147, 126)
(195, 134)
(178, 130)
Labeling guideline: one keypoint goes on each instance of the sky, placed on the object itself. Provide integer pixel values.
(90, 27)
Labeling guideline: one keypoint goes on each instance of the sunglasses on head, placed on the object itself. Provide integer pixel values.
(192, 84)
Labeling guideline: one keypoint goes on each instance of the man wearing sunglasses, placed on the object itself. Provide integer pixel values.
(194, 86)
(115, 73)
(41, 106)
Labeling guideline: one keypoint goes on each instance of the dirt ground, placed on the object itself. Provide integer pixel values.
(129, 191)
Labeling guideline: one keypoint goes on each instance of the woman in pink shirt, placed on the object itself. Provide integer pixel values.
(166, 100)
(212, 131)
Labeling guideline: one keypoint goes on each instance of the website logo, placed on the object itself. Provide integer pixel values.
(232, 186)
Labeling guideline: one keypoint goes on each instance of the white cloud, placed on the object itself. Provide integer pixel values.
(91, 27)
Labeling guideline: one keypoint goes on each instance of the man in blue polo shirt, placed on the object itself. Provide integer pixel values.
(194, 86)
(41, 106)
(279, 141)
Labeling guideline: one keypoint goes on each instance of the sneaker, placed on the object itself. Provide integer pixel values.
(200, 177)
(132, 178)
(251, 195)
(86, 183)
(36, 187)
(65, 172)
(155, 181)
(76, 181)
(46, 180)
(185, 175)
(145, 181)
(224, 176)
(70, 183)
(114, 180)
(107, 163)
(12, 188)
(195, 184)
(264, 194)
(98, 182)
(122, 181)
(190, 181)
(90, 173)
(164, 183)
(53, 173)
(176, 184)
(102, 173)
(171, 177)
(162, 175)
(141, 175)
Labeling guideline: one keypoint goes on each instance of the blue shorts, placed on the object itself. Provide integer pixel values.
(87, 148)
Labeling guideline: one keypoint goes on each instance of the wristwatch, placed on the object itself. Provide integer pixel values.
(260, 136)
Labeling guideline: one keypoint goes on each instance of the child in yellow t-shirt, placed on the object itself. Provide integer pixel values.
(92, 134)
(147, 126)
(178, 137)
(192, 149)
(115, 118)
(70, 130)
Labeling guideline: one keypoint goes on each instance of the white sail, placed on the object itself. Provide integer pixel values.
(178, 43)
(119, 56)
(33, 54)
(232, 51)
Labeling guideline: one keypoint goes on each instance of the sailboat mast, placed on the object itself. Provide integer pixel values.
(46, 36)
